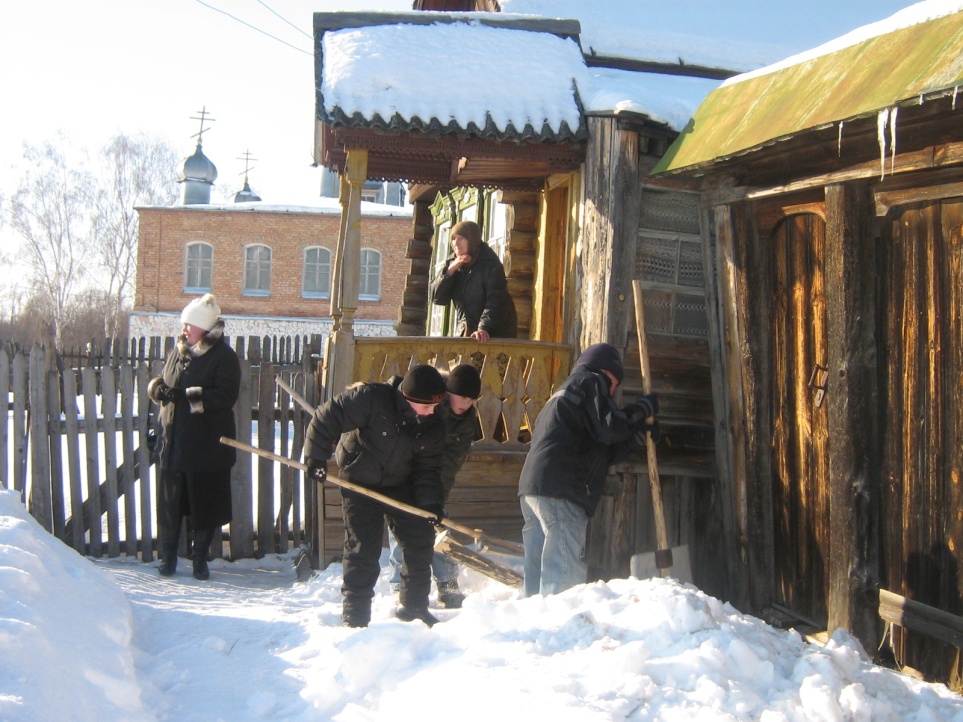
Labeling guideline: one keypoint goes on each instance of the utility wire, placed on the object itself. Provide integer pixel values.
(254, 27)
(284, 19)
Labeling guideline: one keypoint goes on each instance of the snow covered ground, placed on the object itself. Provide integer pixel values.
(111, 640)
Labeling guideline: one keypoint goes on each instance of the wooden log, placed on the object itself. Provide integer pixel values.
(922, 618)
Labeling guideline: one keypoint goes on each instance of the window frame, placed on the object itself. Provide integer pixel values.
(364, 293)
(325, 294)
(245, 290)
(187, 267)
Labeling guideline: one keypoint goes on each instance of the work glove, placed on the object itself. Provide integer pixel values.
(317, 470)
(653, 430)
(436, 510)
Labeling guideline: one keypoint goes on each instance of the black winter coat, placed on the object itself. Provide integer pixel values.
(191, 428)
(381, 443)
(578, 434)
(461, 432)
(480, 295)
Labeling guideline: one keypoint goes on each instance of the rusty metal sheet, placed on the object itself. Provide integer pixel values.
(901, 67)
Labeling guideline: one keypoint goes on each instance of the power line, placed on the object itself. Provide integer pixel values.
(254, 27)
(284, 19)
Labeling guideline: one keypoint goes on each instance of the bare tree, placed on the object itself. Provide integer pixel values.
(140, 170)
(50, 213)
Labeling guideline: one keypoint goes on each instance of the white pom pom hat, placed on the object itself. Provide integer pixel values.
(202, 312)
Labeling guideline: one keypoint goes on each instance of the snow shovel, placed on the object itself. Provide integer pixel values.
(482, 540)
(443, 542)
(643, 565)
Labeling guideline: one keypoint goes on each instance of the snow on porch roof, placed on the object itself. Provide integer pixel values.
(906, 65)
(462, 77)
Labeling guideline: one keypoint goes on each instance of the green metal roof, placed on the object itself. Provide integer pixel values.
(905, 65)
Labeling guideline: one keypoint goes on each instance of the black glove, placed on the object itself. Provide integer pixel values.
(317, 470)
(175, 393)
(652, 429)
(436, 510)
(648, 405)
(158, 391)
(642, 408)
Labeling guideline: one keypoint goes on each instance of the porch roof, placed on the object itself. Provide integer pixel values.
(420, 92)
(897, 66)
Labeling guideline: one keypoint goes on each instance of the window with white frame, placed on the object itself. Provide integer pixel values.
(316, 281)
(369, 286)
(198, 267)
(257, 270)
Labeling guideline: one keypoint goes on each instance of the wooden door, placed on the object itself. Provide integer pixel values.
(921, 363)
(800, 492)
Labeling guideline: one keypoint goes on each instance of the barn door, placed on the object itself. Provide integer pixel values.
(922, 404)
(799, 440)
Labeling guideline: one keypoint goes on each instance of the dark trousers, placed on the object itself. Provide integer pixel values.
(364, 528)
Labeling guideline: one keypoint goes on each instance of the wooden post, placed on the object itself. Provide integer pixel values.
(852, 397)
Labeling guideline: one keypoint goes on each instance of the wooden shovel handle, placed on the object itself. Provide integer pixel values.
(476, 534)
(663, 555)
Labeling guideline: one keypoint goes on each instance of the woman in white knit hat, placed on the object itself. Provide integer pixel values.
(196, 392)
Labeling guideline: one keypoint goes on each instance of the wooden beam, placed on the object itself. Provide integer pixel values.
(922, 618)
(852, 400)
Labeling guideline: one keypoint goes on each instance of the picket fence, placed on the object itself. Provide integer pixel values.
(75, 445)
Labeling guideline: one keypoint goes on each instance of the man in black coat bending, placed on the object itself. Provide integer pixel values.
(387, 439)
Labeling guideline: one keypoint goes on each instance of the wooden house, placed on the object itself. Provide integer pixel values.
(832, 210)
(585, 221)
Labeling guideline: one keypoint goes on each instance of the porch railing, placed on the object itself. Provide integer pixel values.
(517, 376)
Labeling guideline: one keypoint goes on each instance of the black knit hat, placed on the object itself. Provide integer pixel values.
(464, 380)
(423, 385)
(604, 357)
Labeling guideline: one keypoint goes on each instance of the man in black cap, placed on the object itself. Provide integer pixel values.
(578, 434)
(462, 428)
(390, 440)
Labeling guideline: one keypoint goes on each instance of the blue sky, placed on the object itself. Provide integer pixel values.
(95, 68)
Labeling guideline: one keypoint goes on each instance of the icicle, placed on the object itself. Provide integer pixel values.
(955, 90)
(882, 118)
(839, 140)
(892, 138)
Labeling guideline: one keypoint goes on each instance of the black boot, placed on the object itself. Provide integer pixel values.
(168, 552)
(410, 614)
(449, 596)
(202, 545)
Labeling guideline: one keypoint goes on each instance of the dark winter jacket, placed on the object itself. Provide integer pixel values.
(381, 443)
(578, 434)
(191, 428)
(480, 294)
(461, 431)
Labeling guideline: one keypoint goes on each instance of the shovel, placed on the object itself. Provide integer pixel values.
(646, 564)
(443, 542)
(482, 540)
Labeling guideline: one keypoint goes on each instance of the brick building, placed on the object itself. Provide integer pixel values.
(270, 266)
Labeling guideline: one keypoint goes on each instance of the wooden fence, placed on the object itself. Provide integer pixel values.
(75, 446)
